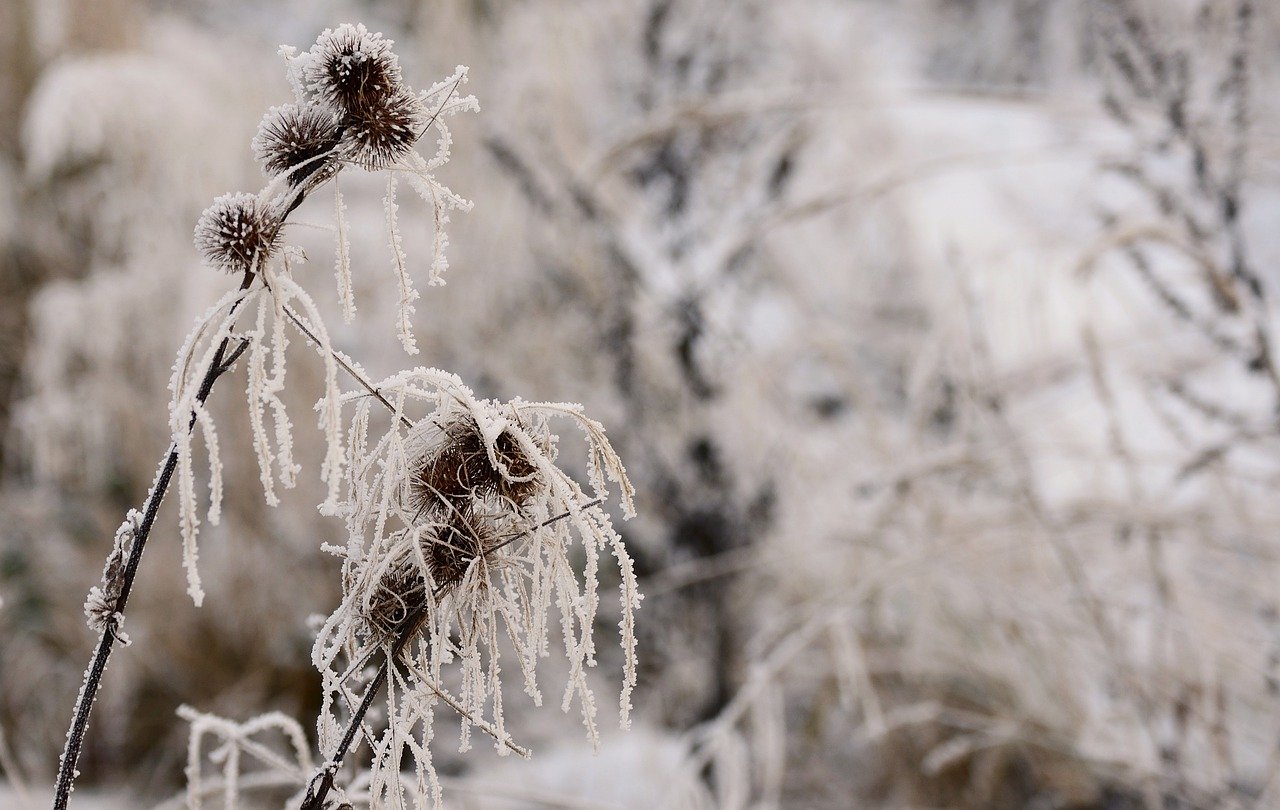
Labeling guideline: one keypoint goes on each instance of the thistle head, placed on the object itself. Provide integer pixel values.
(382, 132)
(298, 140)
(351, 69)
(237, 233)
(429, 560)
(456, 464)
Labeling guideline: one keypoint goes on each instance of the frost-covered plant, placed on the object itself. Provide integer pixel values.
(493, 540)
(462, 535)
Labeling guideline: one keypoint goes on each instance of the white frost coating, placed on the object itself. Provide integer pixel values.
(190, 522)
(408, 294)
(215, 463)
(329, 406)
(342, 257)
(266, 764)
(254, 391)
(502, 599)
(196, 356)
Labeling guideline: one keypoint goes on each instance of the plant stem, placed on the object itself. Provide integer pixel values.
(220, 364)
(322, 782)
(341, 360)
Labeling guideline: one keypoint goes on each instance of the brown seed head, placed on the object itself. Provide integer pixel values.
(352, 70)
(400, 595)
(236, 233)
(456, 469)
(380, 133)
(449, 546)
(296, 140)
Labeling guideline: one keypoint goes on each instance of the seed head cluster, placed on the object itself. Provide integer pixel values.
(355, 75)
(237, 232)
(460, 489)
(353, 107)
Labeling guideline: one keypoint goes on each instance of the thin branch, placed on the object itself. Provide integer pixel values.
(355, 373)
(221, 362)
(322, 782)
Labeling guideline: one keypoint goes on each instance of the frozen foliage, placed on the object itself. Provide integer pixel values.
(100, 605)
(463, 535)
(246, 755)
(936, 337)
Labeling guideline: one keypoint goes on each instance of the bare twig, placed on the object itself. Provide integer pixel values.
(346, 365)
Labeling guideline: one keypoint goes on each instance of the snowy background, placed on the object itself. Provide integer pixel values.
(938, 337)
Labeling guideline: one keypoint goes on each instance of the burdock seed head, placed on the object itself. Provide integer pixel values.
(352, 70)
(449, 544)
(236, 233)
(384, 131)
(454, 542)
(455, 467)
(298, 140)
(400, 595)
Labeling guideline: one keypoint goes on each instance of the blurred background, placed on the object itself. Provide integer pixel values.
(939, 338)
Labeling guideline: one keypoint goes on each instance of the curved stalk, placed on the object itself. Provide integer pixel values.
(223, 359)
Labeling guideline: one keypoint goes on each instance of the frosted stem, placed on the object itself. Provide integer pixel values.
(221, 363)
(322, 782)
(345, 365)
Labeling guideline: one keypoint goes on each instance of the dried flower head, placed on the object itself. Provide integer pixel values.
(352, 70)
(448, 547)
(381, 133)
(457, 463)
(400, 593)
(464, 519)
(236, 233)
(453, 544)
(298, 140)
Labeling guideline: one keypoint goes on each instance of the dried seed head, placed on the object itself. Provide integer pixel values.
(452, 545)
(381, 133)
(352, 70)
(236, 233)
(456, 468)
(298, 139)
(401, 593)
(449, 547)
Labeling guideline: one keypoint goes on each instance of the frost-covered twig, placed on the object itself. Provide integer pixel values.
(320, 785)
(120, 581)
